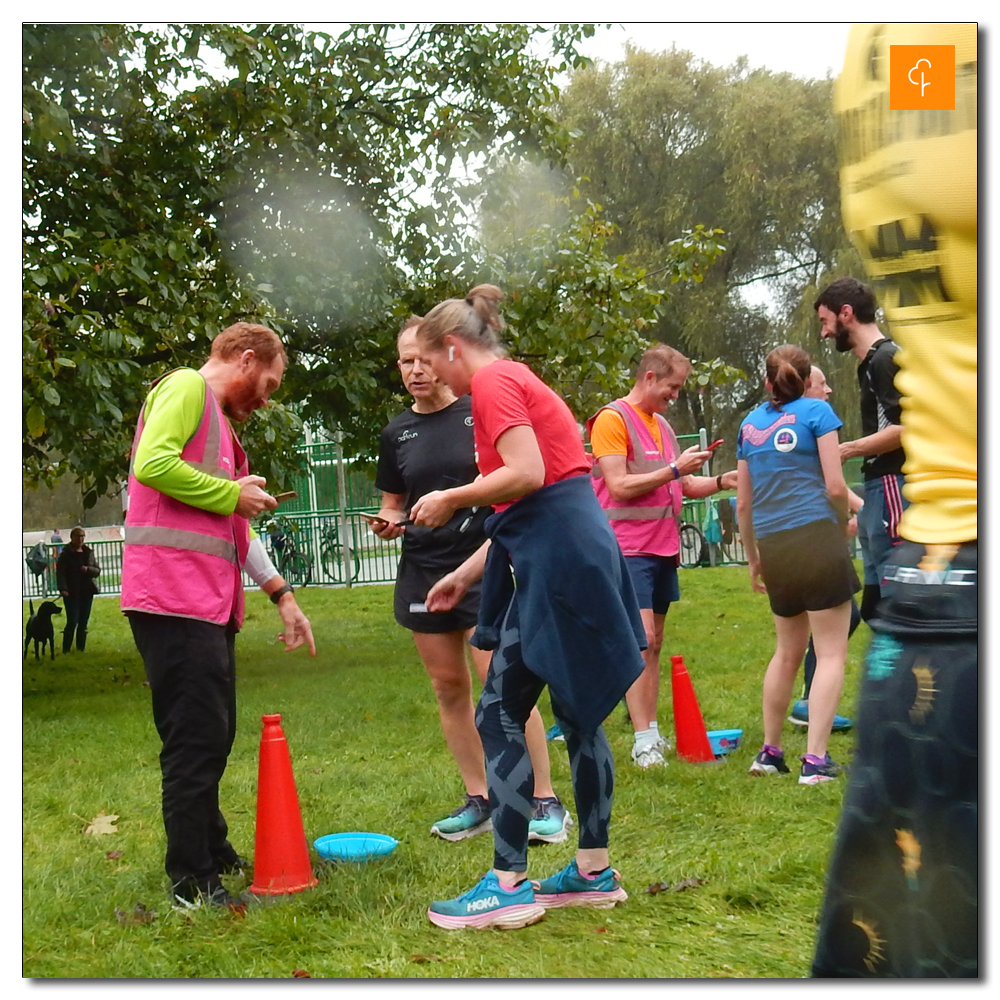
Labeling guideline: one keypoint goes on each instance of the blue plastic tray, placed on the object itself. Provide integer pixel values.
(724, 741)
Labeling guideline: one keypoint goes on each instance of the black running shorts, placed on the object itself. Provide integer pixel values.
(807, 568)
(413, 580)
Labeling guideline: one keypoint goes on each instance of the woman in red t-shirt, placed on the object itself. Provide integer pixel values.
(550, 529)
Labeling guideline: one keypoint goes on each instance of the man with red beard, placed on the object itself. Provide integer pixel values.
(187, 539)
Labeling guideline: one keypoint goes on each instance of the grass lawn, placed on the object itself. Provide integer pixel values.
(368, 754)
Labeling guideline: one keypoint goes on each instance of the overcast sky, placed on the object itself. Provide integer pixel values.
(803, 49)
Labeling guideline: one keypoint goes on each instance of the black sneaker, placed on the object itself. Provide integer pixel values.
(769, 763)
(190, 894)
(235, 865)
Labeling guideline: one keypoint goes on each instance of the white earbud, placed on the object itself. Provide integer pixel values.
(451, 352)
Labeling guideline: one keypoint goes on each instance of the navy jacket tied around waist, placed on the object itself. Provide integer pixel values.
(573, 604)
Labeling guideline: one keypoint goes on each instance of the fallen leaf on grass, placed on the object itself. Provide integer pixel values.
(102, 823)
(422, 959)
(140, 915)
(600, 930)
(114, 855)
(687, 883)
(300, 974)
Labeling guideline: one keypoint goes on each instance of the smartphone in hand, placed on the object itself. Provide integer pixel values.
(375, 522)
(715, 444)
(282, 497)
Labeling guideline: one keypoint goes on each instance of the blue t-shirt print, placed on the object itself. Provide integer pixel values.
(786, 479)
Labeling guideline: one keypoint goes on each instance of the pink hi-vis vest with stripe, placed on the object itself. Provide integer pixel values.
(648, 525)
(181, 560)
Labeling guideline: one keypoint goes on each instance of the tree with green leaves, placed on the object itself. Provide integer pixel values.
(180, 177)
(666, 141)
(580, 317)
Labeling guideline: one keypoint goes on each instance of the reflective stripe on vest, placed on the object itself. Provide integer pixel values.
(182, 560)
(638, 513)
(179, 538)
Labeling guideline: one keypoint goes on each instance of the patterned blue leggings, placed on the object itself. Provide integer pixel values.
(509, 694)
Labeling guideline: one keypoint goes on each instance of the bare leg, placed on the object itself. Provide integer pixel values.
(779, 678)
(643, 696)
(534, 731)
(443, 656)
(830, 629)
(593, 859)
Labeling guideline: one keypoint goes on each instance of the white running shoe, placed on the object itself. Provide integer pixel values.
(648, 756)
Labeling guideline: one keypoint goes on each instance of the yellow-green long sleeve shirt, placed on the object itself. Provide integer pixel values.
(173, 411)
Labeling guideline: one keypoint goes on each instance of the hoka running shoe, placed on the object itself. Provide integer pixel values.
(769, 763)
(814, 770)
(488, 904)
(470, 818)
(800, 717)
(549, 821)
(570, 887)
(555, 733)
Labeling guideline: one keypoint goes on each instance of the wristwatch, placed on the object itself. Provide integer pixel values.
(281, 591)
(718, 484)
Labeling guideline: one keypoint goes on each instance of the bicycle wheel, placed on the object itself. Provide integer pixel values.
(692, 546)
(297, 569)
(332, 560)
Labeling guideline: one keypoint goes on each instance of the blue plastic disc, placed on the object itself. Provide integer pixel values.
(355, 846)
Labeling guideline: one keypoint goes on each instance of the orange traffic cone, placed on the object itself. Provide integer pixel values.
(281, 856)
(689, 727)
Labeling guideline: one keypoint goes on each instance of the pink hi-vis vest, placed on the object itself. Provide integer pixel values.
(181, 560)
(647, 525)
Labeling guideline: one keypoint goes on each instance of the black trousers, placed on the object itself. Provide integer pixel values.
(77, 607)
(191, 669)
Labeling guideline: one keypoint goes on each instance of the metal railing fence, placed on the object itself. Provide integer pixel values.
(327, 543)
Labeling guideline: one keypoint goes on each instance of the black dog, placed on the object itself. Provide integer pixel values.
(39, 627)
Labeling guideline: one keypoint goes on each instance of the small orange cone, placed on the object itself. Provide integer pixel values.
(281, 856)
(689, 727)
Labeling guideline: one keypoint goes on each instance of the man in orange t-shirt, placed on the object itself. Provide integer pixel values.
(640, 477)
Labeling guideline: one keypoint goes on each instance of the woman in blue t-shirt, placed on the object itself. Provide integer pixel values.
(791, 504)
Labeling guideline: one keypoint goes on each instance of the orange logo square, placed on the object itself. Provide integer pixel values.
(921, 77)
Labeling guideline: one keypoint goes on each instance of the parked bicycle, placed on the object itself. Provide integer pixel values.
(292, 561)
(331, 554)
(694, 548)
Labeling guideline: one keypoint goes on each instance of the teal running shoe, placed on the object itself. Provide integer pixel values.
(555, 733)
(470, 818)
(800, 717)
(570, 888)
(549, 821)
(488, 904)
